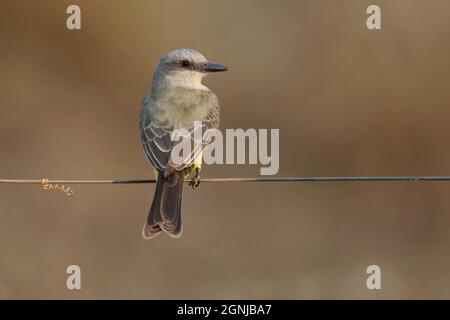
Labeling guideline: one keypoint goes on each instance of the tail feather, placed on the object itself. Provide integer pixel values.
(165, 212)
(154, 217)
(171, 214)
(171, 197)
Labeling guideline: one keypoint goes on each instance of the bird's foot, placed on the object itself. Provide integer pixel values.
(195, 181)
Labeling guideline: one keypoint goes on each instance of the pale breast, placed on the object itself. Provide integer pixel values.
(180, 107)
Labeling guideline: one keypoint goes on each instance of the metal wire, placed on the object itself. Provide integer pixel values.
(228, 180)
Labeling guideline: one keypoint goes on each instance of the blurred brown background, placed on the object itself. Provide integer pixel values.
(348, 101)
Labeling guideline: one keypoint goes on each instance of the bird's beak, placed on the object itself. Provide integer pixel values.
(214, 67)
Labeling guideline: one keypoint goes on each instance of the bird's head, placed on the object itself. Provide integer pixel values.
(185, 67)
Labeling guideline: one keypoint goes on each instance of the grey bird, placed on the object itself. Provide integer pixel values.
(177, 100)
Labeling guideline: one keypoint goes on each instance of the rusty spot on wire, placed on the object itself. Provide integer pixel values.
(46, 185)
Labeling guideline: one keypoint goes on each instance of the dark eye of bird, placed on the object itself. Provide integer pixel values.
(184, 63)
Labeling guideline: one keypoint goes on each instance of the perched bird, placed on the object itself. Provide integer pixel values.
(177, 100)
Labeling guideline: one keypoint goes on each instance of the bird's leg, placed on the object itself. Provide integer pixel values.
(195, 181)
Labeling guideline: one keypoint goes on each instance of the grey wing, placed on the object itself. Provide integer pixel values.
(212, 121)
(156, 142)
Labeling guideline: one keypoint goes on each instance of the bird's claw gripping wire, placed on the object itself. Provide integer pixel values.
(195, 181)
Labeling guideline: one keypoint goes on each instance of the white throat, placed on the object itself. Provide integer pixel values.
(186, 79)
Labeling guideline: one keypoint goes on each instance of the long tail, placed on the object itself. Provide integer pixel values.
(165, 212)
